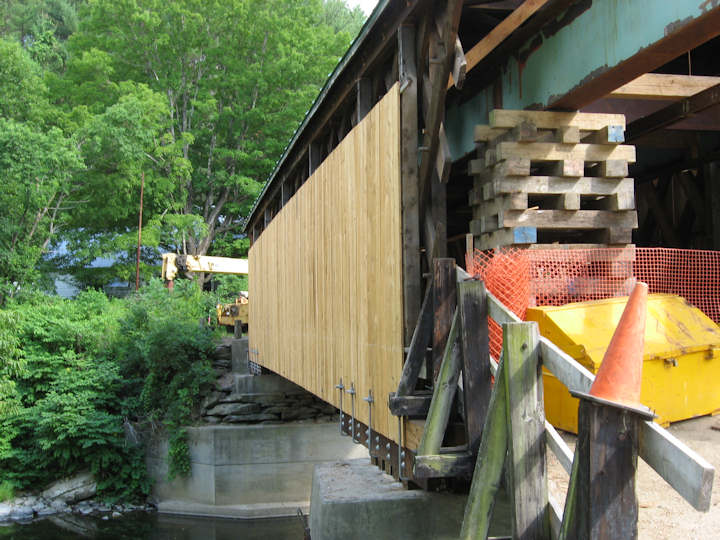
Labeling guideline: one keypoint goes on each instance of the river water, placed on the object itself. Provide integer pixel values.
(152, 526)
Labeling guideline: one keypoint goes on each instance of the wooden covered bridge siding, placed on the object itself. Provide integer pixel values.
(326, 274)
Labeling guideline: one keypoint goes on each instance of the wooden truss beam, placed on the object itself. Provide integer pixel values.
(674, 113)
(501, 32)
(441, 57)
(662, 86)
(412, 274)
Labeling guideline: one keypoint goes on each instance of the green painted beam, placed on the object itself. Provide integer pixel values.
(602, 45)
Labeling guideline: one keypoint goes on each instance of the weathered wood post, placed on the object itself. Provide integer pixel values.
(526, 431)
(476, 358)
(514, 434)
(601, 501)
(444, 303)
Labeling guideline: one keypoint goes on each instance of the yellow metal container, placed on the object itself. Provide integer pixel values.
(681, 368)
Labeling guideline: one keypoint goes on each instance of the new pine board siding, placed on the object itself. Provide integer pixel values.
(326, 274)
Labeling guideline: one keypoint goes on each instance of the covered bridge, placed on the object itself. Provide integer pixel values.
(455, 126)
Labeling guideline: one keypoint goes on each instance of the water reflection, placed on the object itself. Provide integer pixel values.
(142, 526)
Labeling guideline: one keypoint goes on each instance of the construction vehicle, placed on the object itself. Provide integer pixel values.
(234, 315)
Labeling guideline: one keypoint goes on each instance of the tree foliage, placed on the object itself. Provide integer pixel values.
(75, 374)
(199, 97)
(237, 77)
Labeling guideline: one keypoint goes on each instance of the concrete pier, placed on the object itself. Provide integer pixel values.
(355, 500)
(248, 471)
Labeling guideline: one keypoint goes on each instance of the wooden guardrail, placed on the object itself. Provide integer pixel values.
(681, 467)
(515, 435)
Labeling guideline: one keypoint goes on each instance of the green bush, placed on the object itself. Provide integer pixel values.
(7, 491)
(85, 369)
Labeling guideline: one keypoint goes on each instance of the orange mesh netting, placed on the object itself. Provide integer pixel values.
(521, 278)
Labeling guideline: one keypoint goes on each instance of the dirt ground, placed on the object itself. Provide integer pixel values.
(663, 513)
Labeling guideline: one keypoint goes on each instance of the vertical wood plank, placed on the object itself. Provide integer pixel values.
(472, 302)
(488, 467)
(364, 102)
(285, 191)
(409, 177)
(604, 503)
(444, 303)
(418, 346)
(443, 393)
(439, 215)
(526, 431)
(326, 274)
(314, 156)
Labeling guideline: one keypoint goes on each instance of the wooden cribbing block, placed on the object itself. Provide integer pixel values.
(541, 151)
(614, 236)
(613, 168)
(514, 201)
(486, 133)
(620, 200)
(608, 135)
(510, 167)
(568, 201)
(571, 168)
(506, 237)
(554, 185)
(567, 134)
(569, 219)
(506, 118)
(522, 132)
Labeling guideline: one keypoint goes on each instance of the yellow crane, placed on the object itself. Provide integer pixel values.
(235, 314)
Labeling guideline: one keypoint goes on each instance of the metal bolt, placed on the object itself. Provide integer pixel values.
(352, 397)
(370, 401)
(340, 387)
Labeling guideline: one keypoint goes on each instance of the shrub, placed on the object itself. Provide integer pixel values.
(7, 491)
(85, 368)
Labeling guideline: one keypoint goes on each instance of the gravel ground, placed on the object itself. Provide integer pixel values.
(663, 513)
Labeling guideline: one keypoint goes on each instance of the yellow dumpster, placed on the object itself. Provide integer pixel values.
(681, 368)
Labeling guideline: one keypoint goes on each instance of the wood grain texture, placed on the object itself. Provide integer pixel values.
(604, 502)
(548, 151)
(326, 274)
(489, 466)
(507, 118)
(472, 303)
(663, 86)
(526, 430)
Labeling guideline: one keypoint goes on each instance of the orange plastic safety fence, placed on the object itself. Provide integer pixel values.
(521, 278)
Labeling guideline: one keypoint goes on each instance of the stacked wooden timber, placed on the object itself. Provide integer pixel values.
(548, 177)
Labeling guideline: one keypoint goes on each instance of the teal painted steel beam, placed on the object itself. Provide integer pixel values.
(609, 43)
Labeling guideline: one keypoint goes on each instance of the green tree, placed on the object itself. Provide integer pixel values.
(37, 164)
(42, 27)
(237, 77)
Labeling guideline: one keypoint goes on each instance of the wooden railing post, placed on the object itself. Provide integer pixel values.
(443, 394)
(472, 302)
(526, 431)
(602, 502)
(489, 466)
(444, 303)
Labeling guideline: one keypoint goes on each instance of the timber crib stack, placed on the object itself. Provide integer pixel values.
(545, 177)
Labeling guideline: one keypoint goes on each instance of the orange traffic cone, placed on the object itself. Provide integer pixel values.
(619, 379)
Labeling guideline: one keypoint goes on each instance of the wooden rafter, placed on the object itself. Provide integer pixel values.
(674, 113)
(661, 86)
(498, 34)
(442, 42)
